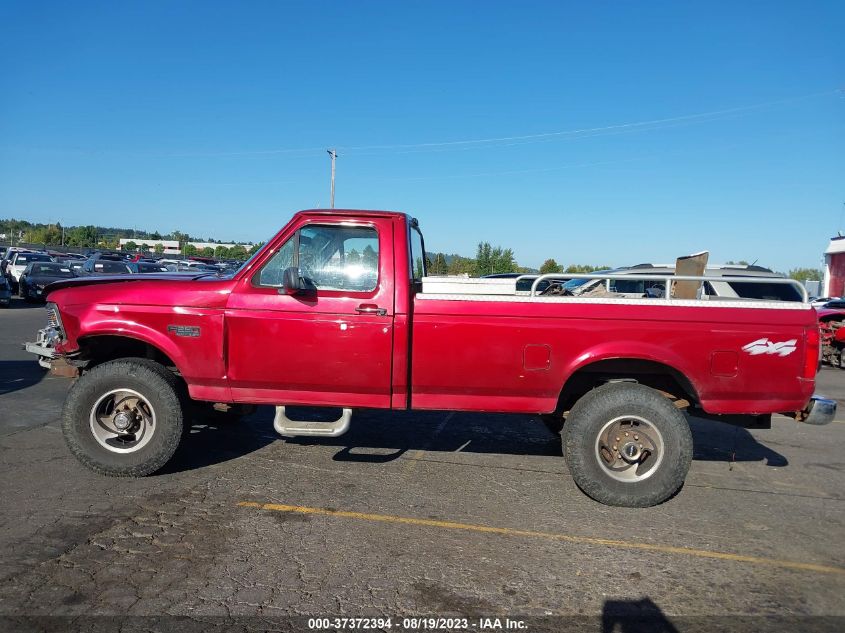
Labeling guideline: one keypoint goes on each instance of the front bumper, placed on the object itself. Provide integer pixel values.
(45, 354)
(818, 411)
(43, 346)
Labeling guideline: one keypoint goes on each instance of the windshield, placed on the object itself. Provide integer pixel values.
(25, 258)
(53, 270)
(768, 291)
(577, 283)
(151, 268)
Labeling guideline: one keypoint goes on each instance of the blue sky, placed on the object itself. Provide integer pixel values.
(636, 131)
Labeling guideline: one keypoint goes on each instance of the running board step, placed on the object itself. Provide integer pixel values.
(299, 428)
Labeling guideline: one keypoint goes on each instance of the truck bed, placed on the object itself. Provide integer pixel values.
(727, 356)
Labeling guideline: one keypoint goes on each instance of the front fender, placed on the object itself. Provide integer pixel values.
(138, 332)
(191, 337)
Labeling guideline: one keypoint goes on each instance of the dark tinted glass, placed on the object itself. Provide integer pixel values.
(151, 268)
(54, 270)
(106, 267)
(764, 290)
(25, 258)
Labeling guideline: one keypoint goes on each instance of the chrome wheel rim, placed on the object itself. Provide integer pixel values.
(122, 421)
(629, 448)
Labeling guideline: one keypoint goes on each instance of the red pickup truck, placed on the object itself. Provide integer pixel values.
(336, 311)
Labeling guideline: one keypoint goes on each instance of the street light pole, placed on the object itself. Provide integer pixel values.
(333, 154)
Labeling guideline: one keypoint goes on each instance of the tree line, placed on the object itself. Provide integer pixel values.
(90, 236)
(493, 260)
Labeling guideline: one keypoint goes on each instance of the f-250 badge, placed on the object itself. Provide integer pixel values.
(191, 331)
(765, 346)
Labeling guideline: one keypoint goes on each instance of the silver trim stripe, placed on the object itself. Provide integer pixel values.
(678, 303)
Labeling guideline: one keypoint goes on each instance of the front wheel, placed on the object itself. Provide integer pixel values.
(124, 418)
(627, 445)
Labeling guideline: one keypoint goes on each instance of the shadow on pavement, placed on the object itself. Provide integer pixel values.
(19, 374)
(213, 440)
(382, 436)
(719, 442)
(634, 616)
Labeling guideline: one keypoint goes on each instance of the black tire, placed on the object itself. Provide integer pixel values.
(590, 415)
(156, 384)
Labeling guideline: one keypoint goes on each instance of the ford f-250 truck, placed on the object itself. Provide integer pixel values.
(336, 311)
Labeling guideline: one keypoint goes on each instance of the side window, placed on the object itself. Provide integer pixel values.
(330, 257)
(339, 257)
(271, 274)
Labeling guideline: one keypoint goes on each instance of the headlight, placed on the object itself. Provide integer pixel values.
(54, 319)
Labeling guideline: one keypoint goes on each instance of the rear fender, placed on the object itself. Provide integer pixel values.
(662, 357)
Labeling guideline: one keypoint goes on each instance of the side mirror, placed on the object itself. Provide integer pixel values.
(291, 281)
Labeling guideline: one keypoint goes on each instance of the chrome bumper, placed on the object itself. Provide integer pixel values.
(42, 347)
(45, 354)
(818, 411)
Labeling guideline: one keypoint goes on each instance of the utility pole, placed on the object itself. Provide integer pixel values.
(333, 154)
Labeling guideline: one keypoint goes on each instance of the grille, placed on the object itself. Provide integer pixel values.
(53, 317)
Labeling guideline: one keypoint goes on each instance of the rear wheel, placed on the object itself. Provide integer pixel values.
(124, 417)
(627, 445)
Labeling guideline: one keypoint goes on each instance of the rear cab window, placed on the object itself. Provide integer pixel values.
(417, 253)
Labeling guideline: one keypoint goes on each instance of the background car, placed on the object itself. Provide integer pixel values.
(7, 256)
(5, 292)
(146, 267)
(37, 275)
(818, 302)
(105, 264)
(19, 262)
(714, 288)
(191, 266)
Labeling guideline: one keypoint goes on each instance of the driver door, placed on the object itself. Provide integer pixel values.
(329, 345)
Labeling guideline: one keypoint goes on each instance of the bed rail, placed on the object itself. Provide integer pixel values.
(666, 279)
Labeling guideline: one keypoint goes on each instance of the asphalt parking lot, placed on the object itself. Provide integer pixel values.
(411, 514)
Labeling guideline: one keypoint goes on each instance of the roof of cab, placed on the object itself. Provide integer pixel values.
(354, 212)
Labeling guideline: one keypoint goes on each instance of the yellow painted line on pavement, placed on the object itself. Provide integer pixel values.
(568, 538)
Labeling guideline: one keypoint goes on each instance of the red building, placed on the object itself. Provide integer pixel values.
(834, 268)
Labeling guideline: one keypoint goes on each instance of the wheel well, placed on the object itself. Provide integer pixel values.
(652, 374)
(95, 350)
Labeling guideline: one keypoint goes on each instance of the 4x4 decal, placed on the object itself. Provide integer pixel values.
(765, 346)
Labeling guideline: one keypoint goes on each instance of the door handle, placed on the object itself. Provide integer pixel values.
(370, 308)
